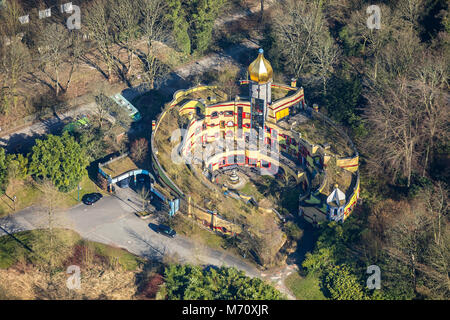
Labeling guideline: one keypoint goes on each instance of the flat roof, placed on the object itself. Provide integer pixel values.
(117, 167)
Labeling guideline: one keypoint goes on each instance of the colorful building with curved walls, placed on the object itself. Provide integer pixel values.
(271, 129)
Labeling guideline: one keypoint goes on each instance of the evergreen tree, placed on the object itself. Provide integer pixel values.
(177, 16)
(185, 282)
(60, 159)
(3, 171)
(341, 284)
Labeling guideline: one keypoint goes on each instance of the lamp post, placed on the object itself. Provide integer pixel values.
(78, 192)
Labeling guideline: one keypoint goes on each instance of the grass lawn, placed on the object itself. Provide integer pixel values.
(304, 288)
(17, 247)
(250, 190)
(127, 260)
(28, 193)
(12, 248)
(87, 186)
(188, 227)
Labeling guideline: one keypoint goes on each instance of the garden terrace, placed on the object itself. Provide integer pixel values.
(320, 132)
(119, 166)
(205, 94)
(278, 92)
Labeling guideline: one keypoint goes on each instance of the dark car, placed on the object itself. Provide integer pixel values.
(166, 230)
(91, 198)
(125, 183)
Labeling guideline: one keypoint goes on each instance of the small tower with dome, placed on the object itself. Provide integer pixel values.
(261, 76)
(336, 204)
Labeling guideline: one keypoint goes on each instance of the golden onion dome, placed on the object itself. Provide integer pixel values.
(260, 70)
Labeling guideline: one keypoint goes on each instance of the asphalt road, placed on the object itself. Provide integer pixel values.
(112, 221)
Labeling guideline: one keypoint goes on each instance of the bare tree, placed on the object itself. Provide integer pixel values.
(14, 56)
(139, 149)
(14, 61)
(77, 49)
(144, 197)
(410, 11)
(326, 57)
(406, 238)
(55, 246)
(417, 238)
(53, 46)
(395, 121)
(303, 38)
(373, 41)
(153, 29)
(9, 16)
(124, 27)
(432, 82)
(104, 106)
(97, 25)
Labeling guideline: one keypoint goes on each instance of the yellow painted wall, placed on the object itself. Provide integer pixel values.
(350, 164)
(283, 113)
(353, 200)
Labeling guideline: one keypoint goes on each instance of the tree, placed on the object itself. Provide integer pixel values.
(144, 196)
(192, 282)
(124, 28)
(177, 16)
(342, 285)
(53, 47)
(9, 15)
(320, 261)
(104, 106)
(14, 62)
(139, 149)
(97, 24)
(14, 55)
(153, 29)
(76, 50)
(3, 171)
(195, 36)
(59, 159)
(17, 166)
(203, 13)
(303, 37)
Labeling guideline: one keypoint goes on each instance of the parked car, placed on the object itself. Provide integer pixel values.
(166, 230)
(91, 198)
(125, 183)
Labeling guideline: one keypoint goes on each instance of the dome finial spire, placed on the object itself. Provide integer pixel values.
(260, 70)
